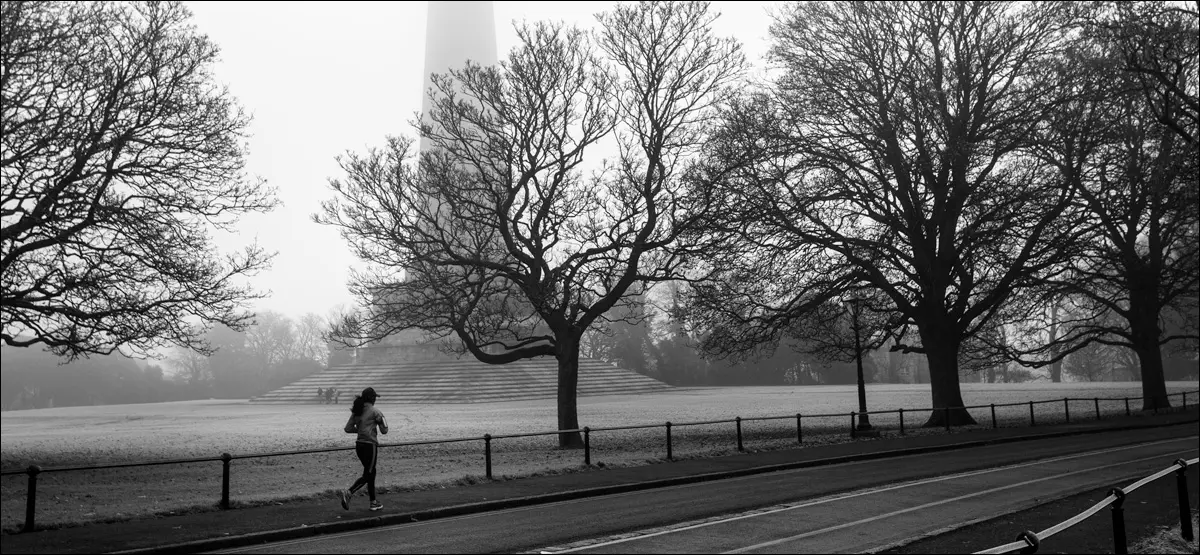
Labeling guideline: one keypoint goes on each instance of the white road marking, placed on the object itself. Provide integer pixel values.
(869, 492)
(936, 503)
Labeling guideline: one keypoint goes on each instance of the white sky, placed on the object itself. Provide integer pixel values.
(321, 78)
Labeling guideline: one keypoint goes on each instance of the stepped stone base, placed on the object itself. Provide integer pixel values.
(421, 378)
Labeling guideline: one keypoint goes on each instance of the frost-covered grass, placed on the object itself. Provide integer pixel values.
(1168, 539)
(126, 433)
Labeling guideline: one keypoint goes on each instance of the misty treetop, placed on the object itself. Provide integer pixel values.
(119, 151)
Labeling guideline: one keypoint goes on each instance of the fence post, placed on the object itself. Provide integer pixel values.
(587, 446)
(1097, 399)
(799, 430)
(1031, 539)
(738, 419)
(1127, 406)
(946, 415)
(901, 421)
(1184, 400)
(1067, 409)
(487, 454)
(853, 432)
(670, 456)
(994, 424)
(1118, 520)
(31, 497)
(1185, 509)
(1032, 422)
(225, 458)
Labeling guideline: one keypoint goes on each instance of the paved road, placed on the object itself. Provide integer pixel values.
(850, 507)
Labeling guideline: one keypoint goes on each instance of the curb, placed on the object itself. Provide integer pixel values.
(486, 506)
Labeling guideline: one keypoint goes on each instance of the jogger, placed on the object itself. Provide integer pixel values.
(365, 419)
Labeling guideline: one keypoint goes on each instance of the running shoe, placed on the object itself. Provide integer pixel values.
(375, 505)
(345, 495)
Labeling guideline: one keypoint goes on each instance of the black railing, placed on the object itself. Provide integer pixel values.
(1030, 542)
(225, 458)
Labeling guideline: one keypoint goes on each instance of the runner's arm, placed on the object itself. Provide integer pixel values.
(352, 425)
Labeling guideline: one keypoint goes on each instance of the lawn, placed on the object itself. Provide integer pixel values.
(125, 433)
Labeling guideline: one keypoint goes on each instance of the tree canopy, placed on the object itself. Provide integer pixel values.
(119, 154)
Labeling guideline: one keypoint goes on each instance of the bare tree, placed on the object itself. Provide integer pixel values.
(497, 241)
(1091, 363)
(191, 366)
(1127, 146)
(118, 154)
(271, 340)
(310, 332)
(890, 152)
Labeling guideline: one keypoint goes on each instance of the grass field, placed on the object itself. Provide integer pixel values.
(127, 433)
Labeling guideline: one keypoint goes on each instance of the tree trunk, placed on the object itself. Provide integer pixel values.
(1056, 366)
(568, 389)
(1143, 327)
(1154, 385)
(942, 354)
(895, 362)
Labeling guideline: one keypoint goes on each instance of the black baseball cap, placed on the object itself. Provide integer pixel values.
(369, 395)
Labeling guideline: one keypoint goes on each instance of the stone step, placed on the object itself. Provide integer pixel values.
(471, 391)
(462, 381)
(463, 376)
(474, 391)
(455, 382)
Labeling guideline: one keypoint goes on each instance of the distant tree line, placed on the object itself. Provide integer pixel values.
(272, 352)
(654, 342)
(660, 346)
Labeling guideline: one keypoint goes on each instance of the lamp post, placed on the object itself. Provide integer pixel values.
(864, 419)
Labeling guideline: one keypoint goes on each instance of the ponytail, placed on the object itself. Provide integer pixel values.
(357, 408)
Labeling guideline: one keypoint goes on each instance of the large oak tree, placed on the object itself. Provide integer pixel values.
(890, 154)
(118, 154)
(497, 240)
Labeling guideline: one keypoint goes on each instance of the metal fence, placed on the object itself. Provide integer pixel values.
(1029, 542)
(851, 418)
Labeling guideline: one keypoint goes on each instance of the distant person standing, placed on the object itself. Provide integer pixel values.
(320, 394)
(365, 419)
(329, 396)
(337, 393)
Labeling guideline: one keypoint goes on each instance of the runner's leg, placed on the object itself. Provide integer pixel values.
(366, 455)
(371, 476)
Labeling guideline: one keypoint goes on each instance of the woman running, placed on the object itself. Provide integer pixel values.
(364, 420)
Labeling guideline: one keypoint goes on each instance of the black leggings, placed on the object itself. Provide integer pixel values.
(368, 453)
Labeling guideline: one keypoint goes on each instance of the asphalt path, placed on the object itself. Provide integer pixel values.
(850, 507)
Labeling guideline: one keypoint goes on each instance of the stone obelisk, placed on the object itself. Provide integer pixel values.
(454, 33)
